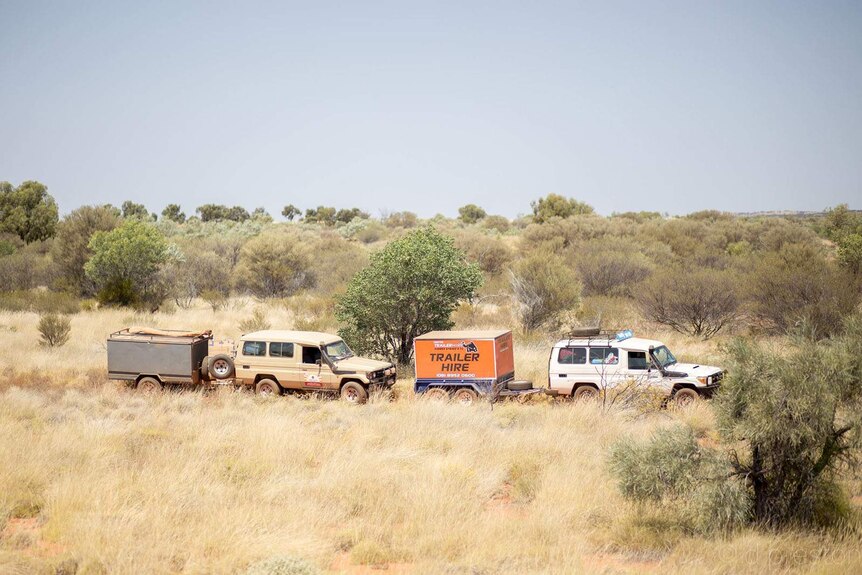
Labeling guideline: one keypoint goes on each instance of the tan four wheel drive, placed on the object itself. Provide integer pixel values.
(274, 361)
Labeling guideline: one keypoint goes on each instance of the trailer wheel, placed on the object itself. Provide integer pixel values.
(221, 366)
(685, 397)
(520, 385)
(436, 394)
(267, 387)
(149, 386)
(465, 396)
(354, 393)
(586, 393)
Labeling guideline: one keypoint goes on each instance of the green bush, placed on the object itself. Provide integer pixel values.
(557, 206)
(54, 330)
(39, 301)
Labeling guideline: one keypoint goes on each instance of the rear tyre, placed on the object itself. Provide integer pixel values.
(436, 394)
(267, 387)
(465, 396)
(685, 397)
(149, 386)
(520, 385)
(354, 393)
(586, 393)
(221, 367)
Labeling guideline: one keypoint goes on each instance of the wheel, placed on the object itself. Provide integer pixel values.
(465, 396)
(354, 393)
(685, 397)
(586, 393)
(520, 385)
(436, 394)
(149, 385)
(205, 367)
(221, 366)
(267, 387)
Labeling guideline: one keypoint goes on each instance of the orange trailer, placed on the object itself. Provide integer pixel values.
(466, 364)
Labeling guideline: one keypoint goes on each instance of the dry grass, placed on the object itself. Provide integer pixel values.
(94, 476)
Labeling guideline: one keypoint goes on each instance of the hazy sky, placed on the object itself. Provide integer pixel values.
(665, 106)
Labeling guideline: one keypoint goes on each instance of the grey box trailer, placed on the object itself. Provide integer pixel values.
(167, 356)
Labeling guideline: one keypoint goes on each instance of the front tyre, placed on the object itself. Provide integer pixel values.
(354, 393)
(685, 397)
(267, 387)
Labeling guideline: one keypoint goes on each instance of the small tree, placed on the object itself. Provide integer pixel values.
(321, 215)
(126, 264)
(544, 287)
(290, 212)
(132, 210)
(850, 253)
(410, 287)
(699, 303)
(555, 205)
(71, 249)
(54, 329)
(346, 216)
(471, 213)
(273, 265)
(174, 213)
(27, 211)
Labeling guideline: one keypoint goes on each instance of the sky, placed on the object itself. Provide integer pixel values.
(427, 106)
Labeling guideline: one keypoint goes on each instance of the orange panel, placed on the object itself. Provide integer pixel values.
(505, 355)
(455, 358)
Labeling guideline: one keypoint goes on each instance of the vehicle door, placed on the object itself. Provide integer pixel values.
(569, 368)
(605, 362)
(314, 372)
(285, 364)
(251, 359)
(638, 369)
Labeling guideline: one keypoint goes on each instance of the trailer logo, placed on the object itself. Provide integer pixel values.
(469, 346)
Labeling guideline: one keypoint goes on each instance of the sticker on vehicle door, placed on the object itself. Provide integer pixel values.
(312, 380)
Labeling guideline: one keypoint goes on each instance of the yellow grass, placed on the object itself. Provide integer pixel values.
(95, 476)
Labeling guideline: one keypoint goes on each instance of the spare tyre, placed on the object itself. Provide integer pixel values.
(221, 366)
(520, 385)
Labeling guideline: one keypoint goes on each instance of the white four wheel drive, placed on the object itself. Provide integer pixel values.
(589, 365)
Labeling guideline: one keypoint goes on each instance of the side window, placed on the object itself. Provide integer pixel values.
(310, 354)
(254, 348)
(637, 360)
(572, 355)
(604, 355)
(277, 349)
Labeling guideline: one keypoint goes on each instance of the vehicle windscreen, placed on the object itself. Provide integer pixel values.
(338, 350)
(663, 355)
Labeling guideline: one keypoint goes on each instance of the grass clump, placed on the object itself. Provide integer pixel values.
(282, 566)
(54, 330)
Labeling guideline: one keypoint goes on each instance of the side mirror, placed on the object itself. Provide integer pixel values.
(317, 361)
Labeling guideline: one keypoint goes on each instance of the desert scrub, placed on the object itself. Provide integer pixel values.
(282, 566)
(256, 322)
(54, 329)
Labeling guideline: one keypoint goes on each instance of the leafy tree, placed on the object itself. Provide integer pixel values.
(174, 213)
(410, 287)
(71, 250)
(471, 213)
(261, 215)
(555, 205)
(321, 215)
(273, 264)
(28, 211)
(132, 210)
(696, 302)
(126, 264)
(217, 212)
(346, 216)
(290, 212)
(544, 287)
(401, 220)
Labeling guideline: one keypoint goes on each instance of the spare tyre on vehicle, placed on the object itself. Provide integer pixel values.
(220, 366)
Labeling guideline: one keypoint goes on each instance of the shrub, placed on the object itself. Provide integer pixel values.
(54, 329)
(490, 253)
(24, 270)
(543, 287)
(28, 211)
(699, 303)
(274, 264)
(610, 272)
(39, 301)
(402, 220)
(554, 205)
(174, 213)
(499, 224)
(410, 287)
(256, 322)
(215, 299)
(798, 285)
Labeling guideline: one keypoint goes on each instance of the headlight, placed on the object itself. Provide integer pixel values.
(704, 380)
